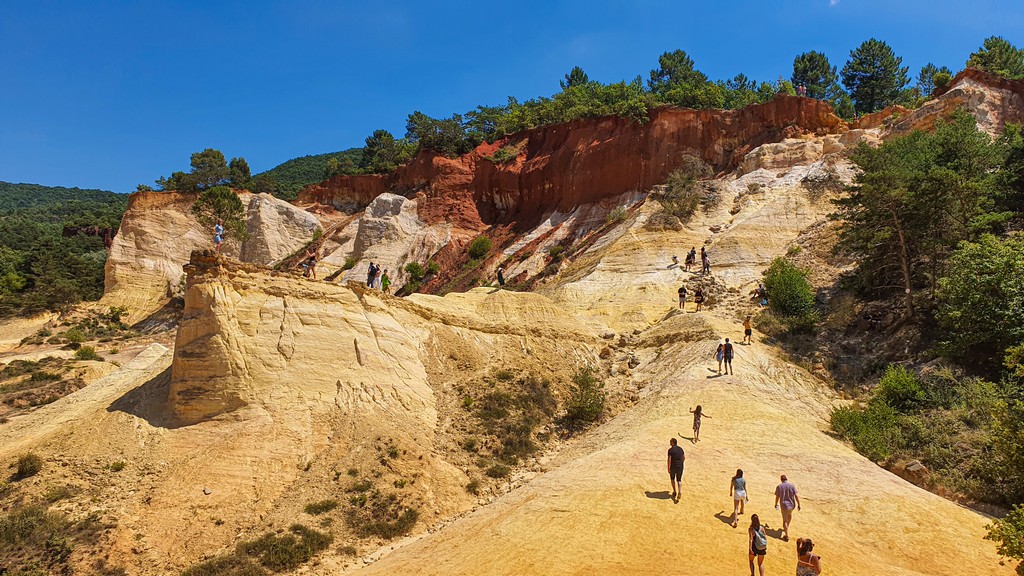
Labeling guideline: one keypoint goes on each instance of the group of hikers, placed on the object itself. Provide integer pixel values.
(377, 279)
(691, 260)
(786, 501)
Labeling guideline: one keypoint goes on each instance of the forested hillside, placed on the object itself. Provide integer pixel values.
(286, 179)
(40, 269)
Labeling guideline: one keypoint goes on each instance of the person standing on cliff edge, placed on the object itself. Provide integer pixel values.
(501, 276)
(218, 234)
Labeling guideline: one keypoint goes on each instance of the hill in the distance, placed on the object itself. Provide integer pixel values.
(291, 176)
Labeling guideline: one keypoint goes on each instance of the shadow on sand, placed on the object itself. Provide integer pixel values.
(662, 495)
(148, 401)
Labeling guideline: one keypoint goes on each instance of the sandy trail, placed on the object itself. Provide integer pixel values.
(608, 511)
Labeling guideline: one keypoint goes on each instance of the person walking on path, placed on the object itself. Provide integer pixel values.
(757, 544)
(676, 459)
(727, 353)
(698, 298)
(698, 413)
(501, 277)
(748, 330)
(807, 564)
(720, 354)
(682, 297)
(218, 234)
(705, 265)
(738, 491)
(785, 496)
(691, 258)
(371, 272)
(385, 283)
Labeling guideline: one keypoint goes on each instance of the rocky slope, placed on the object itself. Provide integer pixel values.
(280, 391)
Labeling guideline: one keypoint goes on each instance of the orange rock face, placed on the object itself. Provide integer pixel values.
(563, 166)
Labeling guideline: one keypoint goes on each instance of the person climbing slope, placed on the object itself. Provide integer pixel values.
(310, 263)
(807, 564)
(757, 544)
(698, 298)
(385, 282)
(738, 491)
(371, 273)
(727, 353)
(698, 413)
(691, 258)
(785, 495)
(720, 355)
(676, 459)
(748, 330)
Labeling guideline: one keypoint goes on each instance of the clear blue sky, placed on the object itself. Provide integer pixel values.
(112, 94)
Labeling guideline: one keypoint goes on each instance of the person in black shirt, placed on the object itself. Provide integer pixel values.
(727, 354)
(676, 457)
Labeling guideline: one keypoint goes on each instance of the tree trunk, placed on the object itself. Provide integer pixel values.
(905, 267)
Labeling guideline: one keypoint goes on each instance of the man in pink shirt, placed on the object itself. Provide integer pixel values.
(785, 495)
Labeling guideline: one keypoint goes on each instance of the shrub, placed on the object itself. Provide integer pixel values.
(43, 376)
(28, 465)
(232, 565)
(555, 252)
(280, 552)
(75, 336)
(384, 516)
(433, 268)
(350, 263)
(1008, 533)
(789, 292)
(117, 466)
(504, 374)
(470, 444)
(874, 431)
(473, 487)
(415, 271)
(320, 507)
(900, 389)
(505, 154)
(586, 398)
(616, 215)
(479, 247)
(348, 550)
(499, 471)
(681, 196)
(87, 353)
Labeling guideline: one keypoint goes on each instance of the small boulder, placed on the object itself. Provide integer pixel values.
(913, 472)
(606, 352)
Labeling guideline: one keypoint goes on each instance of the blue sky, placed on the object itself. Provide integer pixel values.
(112, 94)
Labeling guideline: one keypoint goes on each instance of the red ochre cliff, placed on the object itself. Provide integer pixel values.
(563, 166)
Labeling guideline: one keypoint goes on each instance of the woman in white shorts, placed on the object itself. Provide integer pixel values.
(738, 491)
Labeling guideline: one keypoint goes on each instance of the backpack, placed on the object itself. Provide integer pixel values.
(728, 350)
(760, 540)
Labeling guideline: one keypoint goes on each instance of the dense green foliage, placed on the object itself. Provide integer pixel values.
(209, 169)
(383, 152)
(981, 301)
(813, 71)
(998, 56)
(586, 398)
(221, 203)
(932, 77)
(1009, 533)
(40, 269)
(479, 247)
(789, 292)
(874, 76)
(916, 198)
(962, 429)
(286, 179)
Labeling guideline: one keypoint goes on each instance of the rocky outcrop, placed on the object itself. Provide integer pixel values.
(994, 102)
(276, 229)
(564, 166)
(158, 233)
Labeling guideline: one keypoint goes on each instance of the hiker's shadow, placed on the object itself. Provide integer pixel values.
(690, 438)
(714, 376)
(726, 519)
(773, 532)
(662, 495)
(673, 265)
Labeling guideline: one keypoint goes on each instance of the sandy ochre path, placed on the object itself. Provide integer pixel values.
(606, 508)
